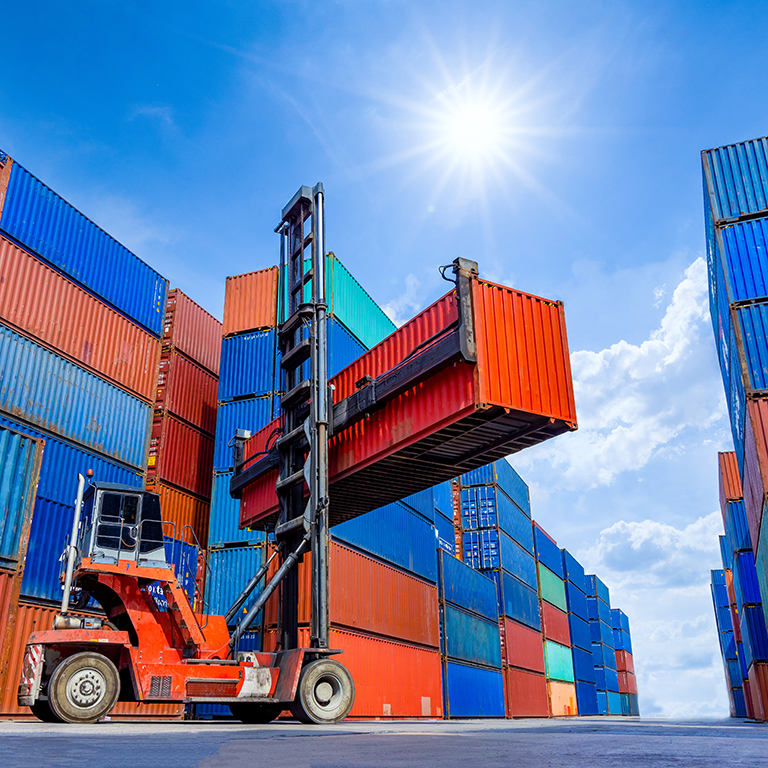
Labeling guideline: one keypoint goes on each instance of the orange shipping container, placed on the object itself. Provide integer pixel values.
(40, 303)
(459, 417)
(392, 679)
(183, 511)
(189, 328)
(525, 693)
(187, 390)
(10, 583)
(624, 662)
(180, 455)
(250, 301)
(562, 699)
(369, 596)
(37, 618)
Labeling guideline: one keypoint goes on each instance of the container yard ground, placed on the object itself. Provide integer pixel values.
(563, 743)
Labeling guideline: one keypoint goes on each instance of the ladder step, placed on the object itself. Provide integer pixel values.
(289, 482)
(300, 393)
(298, 285)
(291, 525)
(297, 437)
(294, 322)
(296, 356)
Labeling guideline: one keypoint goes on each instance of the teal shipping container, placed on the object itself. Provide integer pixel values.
(558, 661)
(468, 637)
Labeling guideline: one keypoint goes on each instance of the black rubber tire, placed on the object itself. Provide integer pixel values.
(42, 711)
(255, 714)
(83, 688)
(325, 694)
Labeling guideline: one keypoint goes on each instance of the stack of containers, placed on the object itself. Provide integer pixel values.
(580, 635)
(497, 539)
(80, 326)
(473, 683)
(603, 651)
(728, 650)
(181, 446)
(558, 656)
(445, 512)
(625, 665)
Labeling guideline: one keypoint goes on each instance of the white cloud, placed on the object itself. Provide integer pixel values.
(633, 400)
(659, 576)
(407, 304)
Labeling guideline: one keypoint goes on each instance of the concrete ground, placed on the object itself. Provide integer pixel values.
(562, 743)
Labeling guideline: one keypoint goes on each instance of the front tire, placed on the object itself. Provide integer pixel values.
(255, 714)
(325, 694)
(83, 688)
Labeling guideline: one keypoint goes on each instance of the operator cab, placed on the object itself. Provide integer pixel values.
(119, 522)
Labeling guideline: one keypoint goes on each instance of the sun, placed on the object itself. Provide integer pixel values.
(472, 132)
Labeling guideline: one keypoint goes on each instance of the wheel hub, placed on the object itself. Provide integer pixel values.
(324, 692)
(85, 687)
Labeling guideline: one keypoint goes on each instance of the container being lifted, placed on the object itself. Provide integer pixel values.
(482, 373)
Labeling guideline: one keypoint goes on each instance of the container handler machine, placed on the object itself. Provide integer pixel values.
(140, 651)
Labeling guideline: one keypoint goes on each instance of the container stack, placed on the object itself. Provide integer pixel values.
(445, 513)
(603, 651)
(580, 635)
(81, 320)
(473, 682)
(625, 665)
(553, 606)
(181, 446)
(728, 647)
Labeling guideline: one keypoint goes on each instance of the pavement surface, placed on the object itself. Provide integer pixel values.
(562, 743)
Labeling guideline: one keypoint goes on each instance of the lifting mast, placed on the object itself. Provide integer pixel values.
(302, 446)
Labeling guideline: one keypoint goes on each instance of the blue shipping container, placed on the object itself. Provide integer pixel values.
(727, 644)
(579, 632)
(472, 691)
(619, 619)
(45, 223)
(736, 178)
(468, 637)
(583, 665)
(739, 702)
(586, 699)
(395, 534)
(596, 588)
(611, 679)
(489, 507)
(443, 498)
(50, 392)
(733, 672)
(517, 600)
(501, 473)
(726, 554)
(229, 571)
(743, 251)
(602, 703)
(753, 635)
(489, 549)
(20, 460)
(446, 535)
(225, 516)
(597, 609)
(251, 413)
(614, 702)
(422, 502)
(576, 601)
(547, 552)
(745, 572)
(469, 589)
(736, 527)
(573, 571)
(621, 640)
(752, 323)
(247, 365)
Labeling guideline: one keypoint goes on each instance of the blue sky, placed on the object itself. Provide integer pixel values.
(182, 129)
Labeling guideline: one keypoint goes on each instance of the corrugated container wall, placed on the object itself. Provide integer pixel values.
(191, 330)
(250, 302)
(48, 225)
(50, 392)
(187, 390)
(42, 304)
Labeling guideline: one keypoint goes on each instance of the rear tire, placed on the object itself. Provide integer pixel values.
(255, 714)
(325, 694)
(41, 709)
(83, 688)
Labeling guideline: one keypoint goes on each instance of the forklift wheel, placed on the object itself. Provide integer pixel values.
(325, 694)
(42, 711)
(83, 688)
(255, 714)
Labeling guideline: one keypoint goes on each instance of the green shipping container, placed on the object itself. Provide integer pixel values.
(551, 588)
(558, 662)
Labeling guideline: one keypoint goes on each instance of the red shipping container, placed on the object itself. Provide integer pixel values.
(526, 694)
(189, 328)
(392, 679)
(37, 618)
(747, 701)
(44, 305)
(180, 455)
(627, 682)
(182, 512)
(562, 699)
(555, 624)
(625, 662)
(399, 606)
(519, 393)
(187, 390)
(250, 301)
(758, 686)
(521, 646)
